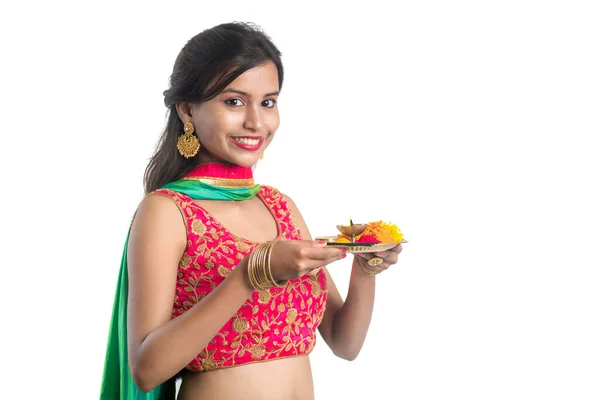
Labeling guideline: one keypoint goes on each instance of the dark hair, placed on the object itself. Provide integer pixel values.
(205, 66)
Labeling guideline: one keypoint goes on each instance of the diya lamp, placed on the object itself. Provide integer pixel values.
(352, 230)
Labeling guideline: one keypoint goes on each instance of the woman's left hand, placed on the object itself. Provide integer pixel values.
(375, 263)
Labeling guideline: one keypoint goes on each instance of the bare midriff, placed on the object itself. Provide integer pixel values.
(283, 379)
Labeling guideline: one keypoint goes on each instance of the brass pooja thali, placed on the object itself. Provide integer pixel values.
(350, 233)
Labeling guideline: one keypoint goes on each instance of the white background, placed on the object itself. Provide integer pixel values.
(470, 124)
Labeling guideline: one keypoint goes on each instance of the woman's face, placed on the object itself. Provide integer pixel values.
(238, 124)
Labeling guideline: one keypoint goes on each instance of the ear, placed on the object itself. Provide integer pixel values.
(184, 111)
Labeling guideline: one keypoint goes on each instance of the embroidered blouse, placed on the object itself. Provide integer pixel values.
(272, 324)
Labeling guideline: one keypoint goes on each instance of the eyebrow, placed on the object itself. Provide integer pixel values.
(247, 94)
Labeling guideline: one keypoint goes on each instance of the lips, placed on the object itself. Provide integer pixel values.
(249, 143)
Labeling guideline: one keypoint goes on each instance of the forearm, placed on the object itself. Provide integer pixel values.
(352, 320)
(166, 350)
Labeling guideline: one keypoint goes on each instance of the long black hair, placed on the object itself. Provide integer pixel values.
(205, 66)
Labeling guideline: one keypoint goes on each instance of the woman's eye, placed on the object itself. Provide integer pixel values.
(234, 102)
(268, 103)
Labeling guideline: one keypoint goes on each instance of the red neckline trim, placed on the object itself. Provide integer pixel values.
(219, 170)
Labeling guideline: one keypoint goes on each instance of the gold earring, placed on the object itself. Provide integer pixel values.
(188, 144)
(262, 156)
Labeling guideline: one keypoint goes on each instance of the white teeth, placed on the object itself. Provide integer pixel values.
(251, 142)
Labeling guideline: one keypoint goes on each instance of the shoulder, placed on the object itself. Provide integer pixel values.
(160, 208)
(273, 194)
(161, 200)
(167, 193)
(295, 216)
(158, 226)
(291, 204)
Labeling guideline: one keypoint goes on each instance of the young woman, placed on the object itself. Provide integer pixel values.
(221, 283)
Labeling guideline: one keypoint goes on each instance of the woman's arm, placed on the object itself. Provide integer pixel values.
(345, 323)
(158, 346)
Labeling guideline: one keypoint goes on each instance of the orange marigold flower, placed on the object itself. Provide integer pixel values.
(384, 232)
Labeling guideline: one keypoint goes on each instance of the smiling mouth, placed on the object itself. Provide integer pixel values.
(251, 143)
(247, 140)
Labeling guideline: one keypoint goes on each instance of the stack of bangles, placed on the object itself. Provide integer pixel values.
(259, 267)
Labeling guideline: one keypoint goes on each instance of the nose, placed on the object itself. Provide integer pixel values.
(253, 119)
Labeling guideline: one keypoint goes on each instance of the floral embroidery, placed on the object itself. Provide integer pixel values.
(223, 271)
(291, 315)
(241, 325)
(185, 261)
(264, 296)
(198, 227)
(280, 322)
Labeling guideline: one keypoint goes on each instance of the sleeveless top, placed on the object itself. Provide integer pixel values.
(272, 324)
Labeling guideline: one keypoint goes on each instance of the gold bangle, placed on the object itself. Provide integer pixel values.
(259, 268)
(279, 283)
(258, 278)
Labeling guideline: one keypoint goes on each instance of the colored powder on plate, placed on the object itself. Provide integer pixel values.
(368, 239)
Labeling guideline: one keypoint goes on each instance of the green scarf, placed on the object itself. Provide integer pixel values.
(117, 383)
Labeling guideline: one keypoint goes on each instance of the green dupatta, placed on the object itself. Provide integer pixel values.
(117, 382)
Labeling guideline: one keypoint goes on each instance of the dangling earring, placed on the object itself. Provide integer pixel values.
(188, 144)
(262, 156)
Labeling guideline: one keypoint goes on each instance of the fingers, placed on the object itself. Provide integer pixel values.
(369, 269)
(379, 269)
(318, 255)
(390, 256)
(385, 256)
(332, 259)
(314, 264)
(375, 263)
(321, 253)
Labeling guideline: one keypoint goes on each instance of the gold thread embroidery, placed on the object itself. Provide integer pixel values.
(291, 316)
(316, 289)
(208, 363)
(264, 296)
(224, 182)
(194, 368)
(257, 350)
(241, 325)
(185, 261)
(198, 227)
(242, 247)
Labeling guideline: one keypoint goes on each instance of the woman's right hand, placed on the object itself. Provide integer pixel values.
(293, 258)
